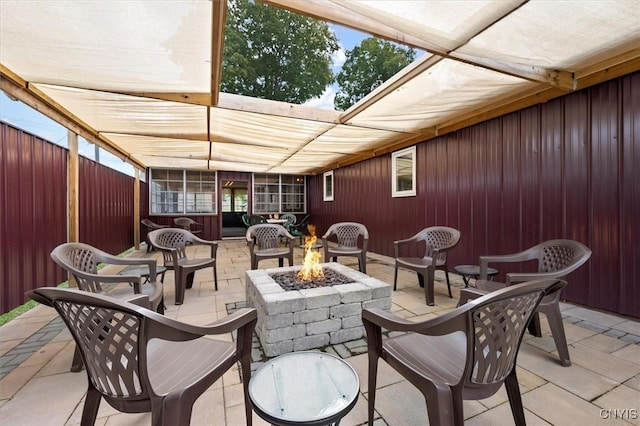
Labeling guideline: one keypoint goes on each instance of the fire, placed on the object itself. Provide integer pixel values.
(311, 265)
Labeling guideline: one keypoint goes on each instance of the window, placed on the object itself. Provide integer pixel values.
(182, 192)
(234, 200)
(278, 194)
(403, 170)
(327, 186)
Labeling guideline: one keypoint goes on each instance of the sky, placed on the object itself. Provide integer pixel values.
(347, 39)
(24, 117)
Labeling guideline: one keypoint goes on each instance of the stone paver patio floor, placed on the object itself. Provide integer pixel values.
(601, 387)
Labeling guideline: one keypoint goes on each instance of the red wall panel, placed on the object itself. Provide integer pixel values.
(563, 169)
(33, 216)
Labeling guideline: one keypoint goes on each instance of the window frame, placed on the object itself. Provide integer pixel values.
(283, 196)
(185, 198)
(394, 172)
(327, 176)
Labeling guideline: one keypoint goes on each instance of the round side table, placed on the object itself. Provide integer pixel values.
(473, 271)
(304, 388)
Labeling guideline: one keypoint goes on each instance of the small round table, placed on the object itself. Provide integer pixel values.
(473, 271)
(304, 388)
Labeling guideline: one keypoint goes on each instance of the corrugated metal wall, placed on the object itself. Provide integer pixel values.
(106, 207)
(33, 211)
(564, 169)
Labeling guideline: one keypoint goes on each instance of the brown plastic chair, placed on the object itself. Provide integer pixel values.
(82, 260)
(139, 361)
(185, 223)
(264, 243)
(466, 354)
(150, 225)
(347, 235)
(438, 240)
(172, 243)
(556, 259)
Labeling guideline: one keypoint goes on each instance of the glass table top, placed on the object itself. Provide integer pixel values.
(304, 388)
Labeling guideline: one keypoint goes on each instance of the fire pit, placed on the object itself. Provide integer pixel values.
(311, 318)
(291, 281)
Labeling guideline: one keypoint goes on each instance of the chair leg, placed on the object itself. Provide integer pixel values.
(373, 376)
(280, 262)
(91, 406)
(554, 317)
(77, 364)
(190, 277)
(440, 406)
(245, 368)
(446, 274)
(428, 286)
(534, 325)
(395, 278)
(363, 264)
(215, 277)
(180, 286)
(515, 400)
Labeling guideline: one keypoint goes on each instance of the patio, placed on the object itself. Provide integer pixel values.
(36, 386)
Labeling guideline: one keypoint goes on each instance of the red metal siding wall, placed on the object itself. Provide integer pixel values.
(563, 169)
(106, 207)
(33, 213)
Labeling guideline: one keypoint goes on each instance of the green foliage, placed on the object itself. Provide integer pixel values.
(273, 54)
(368, 66)
(6, 317)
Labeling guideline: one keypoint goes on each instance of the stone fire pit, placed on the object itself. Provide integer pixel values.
(312, 318)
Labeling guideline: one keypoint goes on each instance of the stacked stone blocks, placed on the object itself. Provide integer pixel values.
(312, 318)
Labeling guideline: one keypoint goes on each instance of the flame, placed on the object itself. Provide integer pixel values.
(311, 265)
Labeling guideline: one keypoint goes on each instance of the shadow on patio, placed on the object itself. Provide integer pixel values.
(36, 387)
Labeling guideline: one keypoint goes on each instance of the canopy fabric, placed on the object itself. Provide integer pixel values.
(141, 78)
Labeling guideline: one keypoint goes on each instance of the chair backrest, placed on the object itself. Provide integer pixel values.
(266, 235)
(151, 225)
(110, 337)
(79, 257)
(304, 222)
(184, 222)
(496, 323)
(255, 219)
(290, 218)
(171, 238)
(347, 233)
(563, 256)
(439, 237)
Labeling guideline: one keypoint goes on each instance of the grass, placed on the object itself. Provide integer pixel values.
(5, 318)
(16, 312)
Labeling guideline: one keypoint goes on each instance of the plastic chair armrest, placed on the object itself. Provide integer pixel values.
(518, 277)
(444, 324)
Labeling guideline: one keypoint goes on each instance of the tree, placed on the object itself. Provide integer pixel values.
(367, 66)
(274, 54)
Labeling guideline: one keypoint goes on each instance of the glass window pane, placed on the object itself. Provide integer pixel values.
(404, 172)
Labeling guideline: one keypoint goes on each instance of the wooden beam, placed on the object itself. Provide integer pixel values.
(342, 15)
(624, 63)
(218, 20)
(136, 210)
(282, 109)
(73, 193)
(202, 99)
(36, 99)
